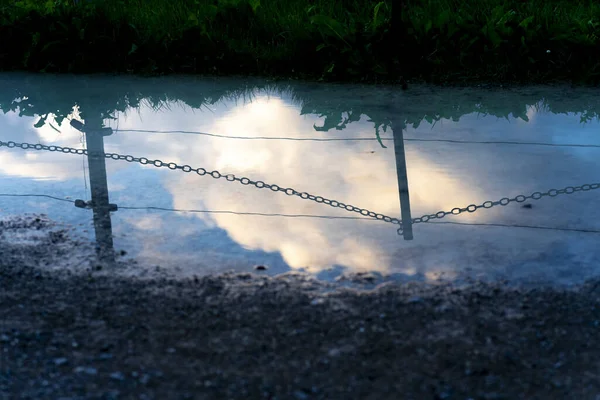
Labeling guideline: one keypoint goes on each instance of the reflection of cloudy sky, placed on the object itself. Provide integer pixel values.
(441, 176)
(345, 171)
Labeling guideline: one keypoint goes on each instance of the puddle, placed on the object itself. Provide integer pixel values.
(354, 151)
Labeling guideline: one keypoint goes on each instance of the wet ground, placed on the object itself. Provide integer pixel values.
(97, 335)
(350, 278)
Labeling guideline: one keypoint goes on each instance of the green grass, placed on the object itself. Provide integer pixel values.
(439, 40)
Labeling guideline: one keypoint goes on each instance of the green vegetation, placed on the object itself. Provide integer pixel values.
(438, 40)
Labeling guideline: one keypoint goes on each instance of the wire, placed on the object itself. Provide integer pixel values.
(309, 215)
(255, 137)
(248, 213)
(503, 142)
(201, 211)
(519, 226)
(36, 195)
(362, 139)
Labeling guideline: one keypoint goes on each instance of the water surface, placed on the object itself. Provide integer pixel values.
(437, 149)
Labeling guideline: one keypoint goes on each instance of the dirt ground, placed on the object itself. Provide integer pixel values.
(92, 334)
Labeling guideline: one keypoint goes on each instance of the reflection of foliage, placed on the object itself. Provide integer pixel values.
(48, 94)
(42, 95)
(587, 116)
(379, 125)
(335, 121)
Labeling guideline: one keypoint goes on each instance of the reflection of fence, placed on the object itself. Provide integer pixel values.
(505, 201)
(329, 217)
(303, 195)
(203, 172)
(90, 205)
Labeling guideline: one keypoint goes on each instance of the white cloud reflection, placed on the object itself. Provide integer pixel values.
(441, 177)
(332, 169)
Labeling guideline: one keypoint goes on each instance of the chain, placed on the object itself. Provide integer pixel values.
(504, 202)
(202, 172)
(303, 195)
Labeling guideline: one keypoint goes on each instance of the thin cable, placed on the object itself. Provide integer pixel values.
(254, 137)
(519, 226)
(248, 213)
(200, 211)
(36, 195)
(362, 139)
(503, 142)
(311, 216)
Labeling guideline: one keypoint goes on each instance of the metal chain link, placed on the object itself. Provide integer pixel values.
(202, 172)
(504, 202)
(303, 195)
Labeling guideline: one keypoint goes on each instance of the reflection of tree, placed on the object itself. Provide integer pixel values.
(334, 104)
(402, 176)
(41, 95)
(339, 105)
(94, 136)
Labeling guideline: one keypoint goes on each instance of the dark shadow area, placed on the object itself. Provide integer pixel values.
(349, 40)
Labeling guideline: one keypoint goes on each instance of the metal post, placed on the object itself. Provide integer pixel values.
(398, 132)
(94, 137)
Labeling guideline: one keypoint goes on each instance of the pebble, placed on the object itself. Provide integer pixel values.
(117, 376)
(491, 379)
(87, 370)
(300, 395)
(60, 361)
(334, 352)
(556, 383)
(105, 356)
(113, 394)
(415, 299)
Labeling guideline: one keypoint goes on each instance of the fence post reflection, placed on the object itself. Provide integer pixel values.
(398, 127)
(94, 137)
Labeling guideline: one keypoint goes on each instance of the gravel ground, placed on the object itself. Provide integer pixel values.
(95, 334)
